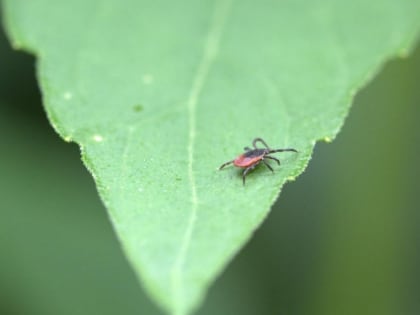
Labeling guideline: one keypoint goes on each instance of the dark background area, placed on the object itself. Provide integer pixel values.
(342, 239)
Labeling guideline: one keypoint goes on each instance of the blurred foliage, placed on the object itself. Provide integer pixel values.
(341, 240)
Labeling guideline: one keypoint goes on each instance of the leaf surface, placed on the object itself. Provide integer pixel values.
(159, 94)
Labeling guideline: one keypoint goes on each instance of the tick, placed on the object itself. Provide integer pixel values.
(252, 157)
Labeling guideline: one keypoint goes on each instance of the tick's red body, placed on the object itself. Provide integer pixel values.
(249, 158)
(252, 157)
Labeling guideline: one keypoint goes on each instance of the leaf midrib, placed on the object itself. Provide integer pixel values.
(210, 50)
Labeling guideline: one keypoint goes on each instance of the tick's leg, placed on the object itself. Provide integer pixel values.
(272, 158)
(282, 150)
(268, 165)
(247, 149)
(254, 143)
(224, 164)
(250, 168)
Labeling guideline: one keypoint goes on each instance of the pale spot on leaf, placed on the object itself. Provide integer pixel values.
(98, 138)
(67, 95)
(147, 79)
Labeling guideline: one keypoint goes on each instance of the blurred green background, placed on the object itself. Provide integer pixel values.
(342, 239)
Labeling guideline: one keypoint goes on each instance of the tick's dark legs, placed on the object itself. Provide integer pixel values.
(250, 168)
(254, 143)
(224, 164)
(272, 158)
(282, 150)
(247, 149)
(268, 165)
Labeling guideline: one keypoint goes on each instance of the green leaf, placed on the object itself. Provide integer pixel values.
(159, 94)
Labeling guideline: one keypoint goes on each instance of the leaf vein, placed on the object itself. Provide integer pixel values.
(210, 51)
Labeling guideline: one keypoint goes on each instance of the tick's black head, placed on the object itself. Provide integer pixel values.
(255, 153)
